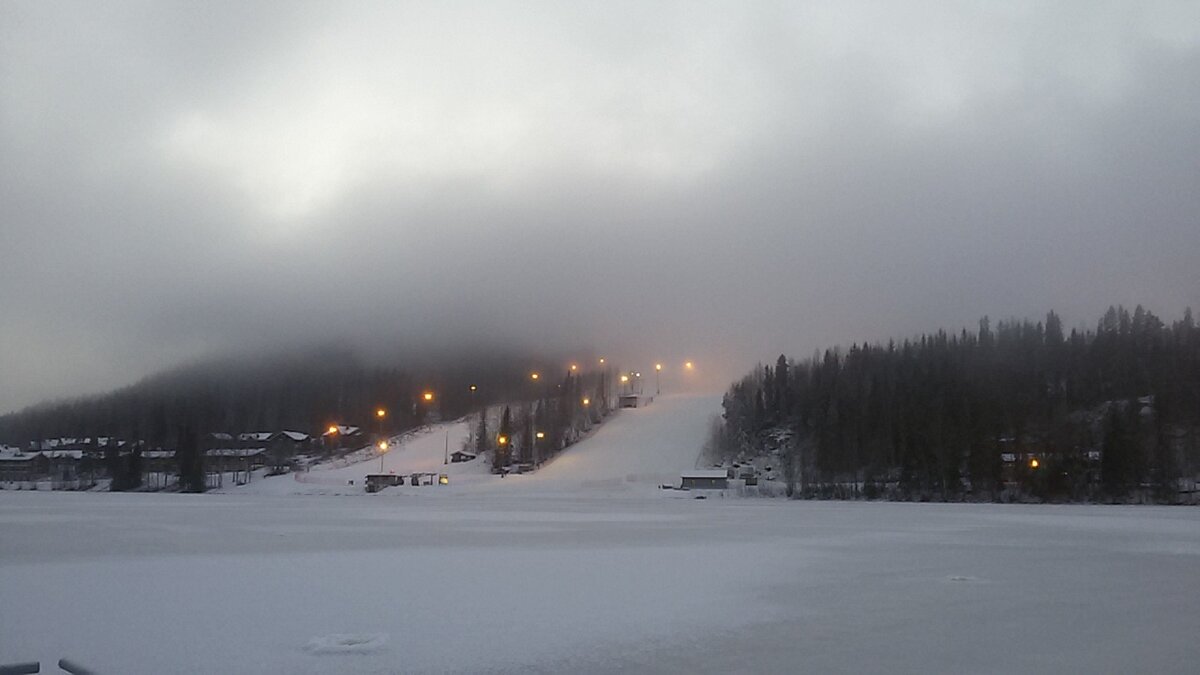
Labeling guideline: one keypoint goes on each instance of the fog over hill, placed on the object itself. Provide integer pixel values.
(652, 181)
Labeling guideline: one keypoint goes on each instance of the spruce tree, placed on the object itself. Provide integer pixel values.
(504, 440)
(481, 434)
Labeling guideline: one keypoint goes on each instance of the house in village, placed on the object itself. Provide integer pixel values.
(704, 479)
(339, 436)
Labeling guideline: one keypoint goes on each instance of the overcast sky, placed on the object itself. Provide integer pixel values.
(720, 182)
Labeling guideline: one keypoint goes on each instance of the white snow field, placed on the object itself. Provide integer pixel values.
(587, 568)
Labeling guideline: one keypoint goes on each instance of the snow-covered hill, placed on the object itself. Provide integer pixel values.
(637, 448)
(634, 449)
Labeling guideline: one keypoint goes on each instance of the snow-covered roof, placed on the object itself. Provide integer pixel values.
(297, 436)
(234, 452)
(342, 431)
(705, 473)
(259, 436)
(220, 436)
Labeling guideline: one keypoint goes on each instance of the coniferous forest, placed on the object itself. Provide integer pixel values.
(305, 391)
(1019, 410)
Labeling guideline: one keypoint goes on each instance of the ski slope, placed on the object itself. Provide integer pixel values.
(634, 450)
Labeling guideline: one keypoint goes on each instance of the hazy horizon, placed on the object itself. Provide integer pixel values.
(650, 182)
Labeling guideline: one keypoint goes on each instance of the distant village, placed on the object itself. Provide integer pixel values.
(82, 463)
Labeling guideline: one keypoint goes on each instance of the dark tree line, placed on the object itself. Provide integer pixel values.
(559, 412)
(1021, 408)
(304, 392)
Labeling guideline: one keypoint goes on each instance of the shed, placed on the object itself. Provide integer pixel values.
(634, 400)
(705, 479)
(460, 456)
(378, 481)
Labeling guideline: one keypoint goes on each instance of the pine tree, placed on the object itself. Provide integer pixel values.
(190, 461)
(482, 442)
(504, 441)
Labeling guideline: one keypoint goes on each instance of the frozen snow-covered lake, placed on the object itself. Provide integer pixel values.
(227, 583)
(587, 567)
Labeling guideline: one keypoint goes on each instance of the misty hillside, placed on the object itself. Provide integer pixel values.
(304, 391)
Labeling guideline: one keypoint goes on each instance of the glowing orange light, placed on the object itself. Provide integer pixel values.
(574, 367)
(428, 396)
(534, 376)
(624, 378)
(332, 429)
(658, 366)
(1033, 464)
(381, 413)
(587, 401)
(382, 445)
(540, 435)
(502, 440)
(688, 365)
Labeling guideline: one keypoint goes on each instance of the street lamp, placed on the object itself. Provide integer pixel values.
(428, 396)
(383, 447)
(688, 364)
(586, 400)
(534, 376)
(533, 446)
(657, 387)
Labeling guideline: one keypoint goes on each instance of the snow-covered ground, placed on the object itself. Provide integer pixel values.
(632, 452)
(585, 567)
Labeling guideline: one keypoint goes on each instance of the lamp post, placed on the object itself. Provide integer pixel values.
(657, 385)
(383, 447)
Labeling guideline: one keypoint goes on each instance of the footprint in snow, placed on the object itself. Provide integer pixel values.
(346, 643)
